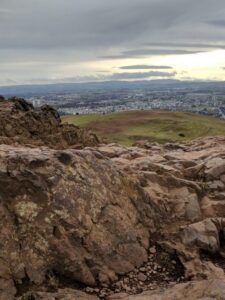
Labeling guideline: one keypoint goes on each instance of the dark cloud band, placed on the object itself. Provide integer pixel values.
(145, 67)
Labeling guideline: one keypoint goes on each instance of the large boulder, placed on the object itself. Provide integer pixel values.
(72, 213)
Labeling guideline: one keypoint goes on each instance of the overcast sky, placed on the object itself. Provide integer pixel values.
(83, 40)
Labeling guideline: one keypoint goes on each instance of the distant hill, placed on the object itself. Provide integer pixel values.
(154, 125)
(40, 89)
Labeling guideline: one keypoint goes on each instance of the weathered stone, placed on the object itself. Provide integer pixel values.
(141, 277)
(152, 250)
(204, 235)
(202, 290)
(78, 218)
(21, 123)
(66, 294)
(88, 216)
(215, 167)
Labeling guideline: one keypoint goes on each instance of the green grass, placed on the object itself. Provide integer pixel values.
(154, 125)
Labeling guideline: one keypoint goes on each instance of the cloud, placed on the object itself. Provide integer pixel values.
(78, 32)
(149, 52)
(218, 23)
(5, 11)
(124, 76)
(141, 75)
(189, 45)
(145, 67)
(117, 76)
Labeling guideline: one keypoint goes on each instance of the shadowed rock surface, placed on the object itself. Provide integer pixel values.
(199, 290)
(111, 222)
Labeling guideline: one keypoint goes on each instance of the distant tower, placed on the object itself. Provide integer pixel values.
(214, 100)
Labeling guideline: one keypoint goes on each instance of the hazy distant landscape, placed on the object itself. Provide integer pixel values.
(104, 97)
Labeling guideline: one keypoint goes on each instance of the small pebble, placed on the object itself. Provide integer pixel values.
(90, 290)
(141, 277)
(143, 269)
(152, 250)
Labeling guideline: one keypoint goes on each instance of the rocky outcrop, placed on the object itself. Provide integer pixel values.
(21, 123)
(185, 182)
(107, 221)
(69, 212)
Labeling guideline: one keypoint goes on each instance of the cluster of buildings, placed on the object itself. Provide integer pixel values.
(104, 101)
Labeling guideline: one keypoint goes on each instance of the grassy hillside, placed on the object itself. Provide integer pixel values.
(154, 125)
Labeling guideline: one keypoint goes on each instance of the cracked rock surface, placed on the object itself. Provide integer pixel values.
(111, 222)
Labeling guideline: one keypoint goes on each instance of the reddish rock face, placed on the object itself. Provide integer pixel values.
(106, 218)
(21, 123)
(69, 212)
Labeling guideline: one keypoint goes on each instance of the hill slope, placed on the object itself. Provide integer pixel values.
(154, 125)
